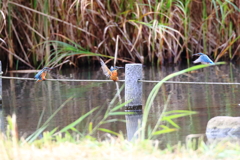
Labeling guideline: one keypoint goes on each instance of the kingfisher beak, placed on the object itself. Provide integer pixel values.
(50, 68)
(120, 67)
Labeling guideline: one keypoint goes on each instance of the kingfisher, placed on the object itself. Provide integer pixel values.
(203, 58)
(40, 76)
(112, 72)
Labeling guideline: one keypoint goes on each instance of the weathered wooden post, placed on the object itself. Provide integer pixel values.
(1, 84)
(133, 88)
(133, 91)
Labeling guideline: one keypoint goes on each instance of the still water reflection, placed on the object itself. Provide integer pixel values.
(35, 102)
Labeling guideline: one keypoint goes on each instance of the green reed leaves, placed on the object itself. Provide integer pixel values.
(70, 131)
(65, 51)
(166, 116)
(79, 120)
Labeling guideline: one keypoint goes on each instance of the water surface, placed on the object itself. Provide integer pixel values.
(34, 103)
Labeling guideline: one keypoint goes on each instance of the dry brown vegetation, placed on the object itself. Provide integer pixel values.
(114, 149)
(165, 31)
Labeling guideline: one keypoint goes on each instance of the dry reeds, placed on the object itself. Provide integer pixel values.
(138, 31)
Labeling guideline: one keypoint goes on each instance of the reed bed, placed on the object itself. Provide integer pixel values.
(155, 32)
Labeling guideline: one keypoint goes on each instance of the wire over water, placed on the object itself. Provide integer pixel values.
(180, 82)
(99, 80)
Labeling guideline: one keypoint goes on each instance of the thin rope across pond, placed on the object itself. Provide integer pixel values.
(180, 82)
(99, 80)
(61, 80)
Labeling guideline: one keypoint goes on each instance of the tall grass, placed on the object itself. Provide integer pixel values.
(159, 32)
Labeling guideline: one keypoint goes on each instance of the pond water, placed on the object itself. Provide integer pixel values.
(34, 102)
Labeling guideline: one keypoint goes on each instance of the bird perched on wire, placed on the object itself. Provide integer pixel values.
(40, 76)
(203, 58)
(112, 72)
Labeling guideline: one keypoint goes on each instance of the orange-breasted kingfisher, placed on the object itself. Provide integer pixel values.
(112, 72)
(40, 76)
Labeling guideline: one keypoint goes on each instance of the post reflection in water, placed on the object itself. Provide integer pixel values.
(31, 101)
(133, 122)
(2, 120)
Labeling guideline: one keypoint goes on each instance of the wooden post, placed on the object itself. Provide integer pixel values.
(133, 91)
(1, 84)
(133, 88)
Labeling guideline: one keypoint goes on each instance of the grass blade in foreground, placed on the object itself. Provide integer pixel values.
(36, 134)
(155, 90)
(73, 124)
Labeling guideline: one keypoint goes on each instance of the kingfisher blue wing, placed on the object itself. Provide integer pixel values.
(112, 72)
(41, 74)
(105, 69)
(204, 59)
(38, 75)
